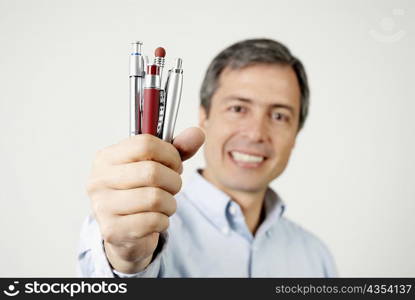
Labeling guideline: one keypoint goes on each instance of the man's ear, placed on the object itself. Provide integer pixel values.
(203, 118)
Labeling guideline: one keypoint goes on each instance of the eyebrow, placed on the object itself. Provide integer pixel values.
(248, 100)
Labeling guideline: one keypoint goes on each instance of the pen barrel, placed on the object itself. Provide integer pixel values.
(137, 74)
(150, 111)
(136, 96)
(173, 92)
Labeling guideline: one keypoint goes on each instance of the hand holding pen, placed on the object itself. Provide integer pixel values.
(133, 183)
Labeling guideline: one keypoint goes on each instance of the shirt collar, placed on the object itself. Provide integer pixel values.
(274, 209)
(213, 203)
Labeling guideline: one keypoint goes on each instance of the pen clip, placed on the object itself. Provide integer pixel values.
(162, 110)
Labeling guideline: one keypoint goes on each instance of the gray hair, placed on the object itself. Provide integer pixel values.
(250, 52)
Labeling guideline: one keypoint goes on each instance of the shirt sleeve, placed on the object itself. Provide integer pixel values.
(93, 262)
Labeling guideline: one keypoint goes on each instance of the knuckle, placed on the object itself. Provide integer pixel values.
(165, 223)
(151, 172)
(155, 199)
(174, 160)
(152, 224)
(156, 222)
(94, 185)
(178, 184)
(174, 204)
(99, 206)
(128, 250)
(178, 160)
(90, 187)
(145, 146)
(134, 234)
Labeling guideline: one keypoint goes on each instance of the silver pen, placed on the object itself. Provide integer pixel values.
(137, 74)
(173, 92)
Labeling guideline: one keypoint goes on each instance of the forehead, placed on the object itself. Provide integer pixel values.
(262, 83)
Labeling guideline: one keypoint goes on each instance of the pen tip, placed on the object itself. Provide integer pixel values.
(179, 63)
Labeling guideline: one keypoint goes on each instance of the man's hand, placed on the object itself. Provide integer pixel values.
(131, 188)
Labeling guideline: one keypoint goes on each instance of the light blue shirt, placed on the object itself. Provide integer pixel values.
(208, 237)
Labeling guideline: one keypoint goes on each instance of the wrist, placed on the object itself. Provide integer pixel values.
(125, 266)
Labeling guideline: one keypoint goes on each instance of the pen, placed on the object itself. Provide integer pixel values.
(173, 91)
(151, 100)
(159, 60)
(136, 86)
(153, 110)
(153, 95)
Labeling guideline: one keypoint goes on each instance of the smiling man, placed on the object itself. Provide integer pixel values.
(226, 222)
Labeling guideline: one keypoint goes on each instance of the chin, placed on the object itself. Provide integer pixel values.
(245, 185)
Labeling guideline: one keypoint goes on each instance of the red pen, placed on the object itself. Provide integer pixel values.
(151, 104)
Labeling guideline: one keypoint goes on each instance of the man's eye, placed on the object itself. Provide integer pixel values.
(236, 109)
(279, 116)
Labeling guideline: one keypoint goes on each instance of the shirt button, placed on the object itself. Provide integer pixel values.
(225, 230)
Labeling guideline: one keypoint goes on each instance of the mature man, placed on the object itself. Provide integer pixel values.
(228, 223)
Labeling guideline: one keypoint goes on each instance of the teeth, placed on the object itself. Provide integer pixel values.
(243, 157)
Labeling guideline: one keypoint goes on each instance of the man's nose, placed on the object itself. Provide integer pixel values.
(257, 128)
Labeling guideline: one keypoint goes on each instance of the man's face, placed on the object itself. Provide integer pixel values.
(251, 127)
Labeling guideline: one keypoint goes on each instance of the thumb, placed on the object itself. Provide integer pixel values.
(189, 141)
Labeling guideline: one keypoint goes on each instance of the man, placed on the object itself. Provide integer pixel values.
(228, 223)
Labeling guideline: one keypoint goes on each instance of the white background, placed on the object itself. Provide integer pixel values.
(64, 95)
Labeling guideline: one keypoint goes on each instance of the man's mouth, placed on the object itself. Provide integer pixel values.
(246, 160)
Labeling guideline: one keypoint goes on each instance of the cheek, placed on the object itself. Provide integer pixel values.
(284, 146)
(217, 134)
